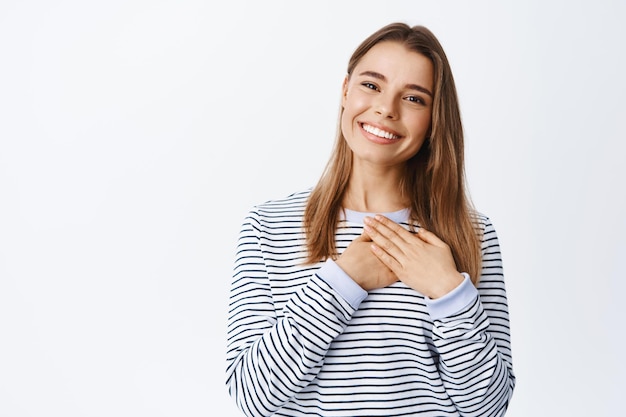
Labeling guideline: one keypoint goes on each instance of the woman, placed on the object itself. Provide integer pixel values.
(379, 291)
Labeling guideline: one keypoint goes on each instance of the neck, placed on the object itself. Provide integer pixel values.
(375, 192)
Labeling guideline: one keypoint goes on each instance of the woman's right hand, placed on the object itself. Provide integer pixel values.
(358, 261)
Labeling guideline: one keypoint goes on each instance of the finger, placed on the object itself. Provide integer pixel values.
(429, 237)
(364, 237)
(387, 260)
(386, 227)
(385, 243)
(390, 224)
(376, 236)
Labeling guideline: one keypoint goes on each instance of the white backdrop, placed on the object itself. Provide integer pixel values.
(135, 135)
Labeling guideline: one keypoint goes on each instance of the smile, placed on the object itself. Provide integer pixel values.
(379, 132)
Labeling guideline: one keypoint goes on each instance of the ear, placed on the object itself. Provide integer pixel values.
(344, 91)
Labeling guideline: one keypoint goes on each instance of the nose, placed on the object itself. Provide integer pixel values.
(386, 106)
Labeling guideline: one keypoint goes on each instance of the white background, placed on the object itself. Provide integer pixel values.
(135, 135)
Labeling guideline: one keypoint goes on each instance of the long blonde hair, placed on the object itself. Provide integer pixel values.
(434, 179)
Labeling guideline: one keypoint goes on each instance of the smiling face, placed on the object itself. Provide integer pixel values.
(387, 105)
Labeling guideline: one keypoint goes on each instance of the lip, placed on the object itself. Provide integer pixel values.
(377, 139)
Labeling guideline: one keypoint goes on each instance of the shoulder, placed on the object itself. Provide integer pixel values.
(479, 220)
(485, 229)
(294, 201)
(286, 209)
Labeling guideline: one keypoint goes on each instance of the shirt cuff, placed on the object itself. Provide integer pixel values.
(454, 301)
(341, 282)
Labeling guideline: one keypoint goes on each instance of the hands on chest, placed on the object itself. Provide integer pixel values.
(386, 252)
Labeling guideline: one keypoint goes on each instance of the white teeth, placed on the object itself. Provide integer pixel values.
(378, 132)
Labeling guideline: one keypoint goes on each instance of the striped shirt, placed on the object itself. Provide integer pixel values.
(306, 340)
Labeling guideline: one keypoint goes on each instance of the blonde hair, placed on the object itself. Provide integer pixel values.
(434, 179)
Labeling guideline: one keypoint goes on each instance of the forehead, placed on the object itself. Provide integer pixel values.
(397, 63)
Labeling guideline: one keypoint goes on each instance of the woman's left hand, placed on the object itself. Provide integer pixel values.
(422, 260)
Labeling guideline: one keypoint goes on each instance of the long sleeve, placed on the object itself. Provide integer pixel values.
(306, 340)
(270, 358)
(474, 343)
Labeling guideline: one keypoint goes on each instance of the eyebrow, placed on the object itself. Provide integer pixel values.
(381, 77)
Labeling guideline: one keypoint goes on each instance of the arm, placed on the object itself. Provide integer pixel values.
(474, 341)
(471, 325)
(271, 358)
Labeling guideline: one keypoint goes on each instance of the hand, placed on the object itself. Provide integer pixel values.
(364, 267)
(422, 261)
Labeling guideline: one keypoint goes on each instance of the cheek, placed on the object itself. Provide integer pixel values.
(355, 101)
(345, 123)
(413, 149)
(420, 126)
(350, 111)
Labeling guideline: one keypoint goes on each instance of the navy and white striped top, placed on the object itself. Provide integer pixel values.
(303, 341)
